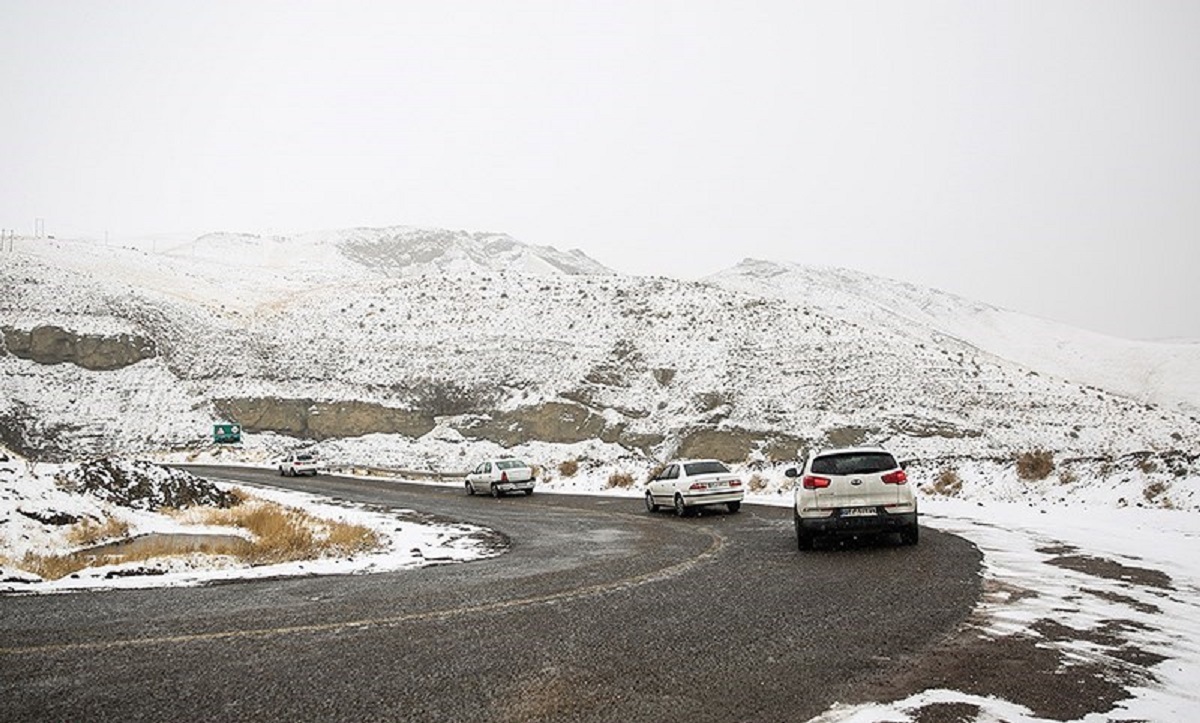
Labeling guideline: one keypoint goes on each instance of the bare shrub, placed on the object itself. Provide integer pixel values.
(240, 496)
(1067, 477)
(1148, 466)
(1035, 465)
(1154, 490)
(655, 471)
(948, 482)
(622, 480)
(757, 483)
(568, 468)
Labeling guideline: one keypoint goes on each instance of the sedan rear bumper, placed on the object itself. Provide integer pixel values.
(711, 497)
(514, 486)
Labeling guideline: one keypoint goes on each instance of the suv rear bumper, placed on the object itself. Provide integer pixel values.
(856, 525)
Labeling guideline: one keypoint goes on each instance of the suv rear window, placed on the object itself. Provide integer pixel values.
(704, 468)
(854, 463)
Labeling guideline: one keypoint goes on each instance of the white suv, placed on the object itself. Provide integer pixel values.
(691, 483)
(296, 463)
(861, 490)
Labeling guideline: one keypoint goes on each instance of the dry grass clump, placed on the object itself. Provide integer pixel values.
(623, 480)
(948, 482)
(568, 468)
(52, 567)
(757, 483)
(286, 534)
(278, 534)
(655, 471)
(92, 532)
(86, 533)
(1035, 465)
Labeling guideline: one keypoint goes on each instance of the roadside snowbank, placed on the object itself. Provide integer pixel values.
(37, 516)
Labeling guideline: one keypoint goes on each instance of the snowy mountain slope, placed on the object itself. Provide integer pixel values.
(1150, 372)
(485, 358)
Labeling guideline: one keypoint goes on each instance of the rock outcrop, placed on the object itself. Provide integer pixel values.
(55, 345)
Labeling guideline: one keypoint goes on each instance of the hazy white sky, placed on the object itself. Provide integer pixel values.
(1043, 155)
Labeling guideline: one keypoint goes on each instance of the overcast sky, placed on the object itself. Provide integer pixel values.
(1043, 156)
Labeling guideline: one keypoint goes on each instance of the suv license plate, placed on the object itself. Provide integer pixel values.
(858, 512)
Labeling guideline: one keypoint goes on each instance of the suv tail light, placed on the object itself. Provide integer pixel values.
(812, 482)
(898, 477)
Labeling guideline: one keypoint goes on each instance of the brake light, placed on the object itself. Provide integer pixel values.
(698, 486)
(812, 483)
(898, 477)
(736, 483)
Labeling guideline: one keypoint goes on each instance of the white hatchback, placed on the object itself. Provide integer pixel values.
(856, 491)
(691, 483)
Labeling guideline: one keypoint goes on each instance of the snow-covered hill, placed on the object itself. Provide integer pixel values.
(426, 349)
(1165, 373)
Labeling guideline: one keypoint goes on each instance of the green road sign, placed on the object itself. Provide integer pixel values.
(223, 433)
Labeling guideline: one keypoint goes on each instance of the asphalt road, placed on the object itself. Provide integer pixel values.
(598, 611)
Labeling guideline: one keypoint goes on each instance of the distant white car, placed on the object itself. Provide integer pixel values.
(499, 476)
(691, 483)
(297, 463)
(856, 491)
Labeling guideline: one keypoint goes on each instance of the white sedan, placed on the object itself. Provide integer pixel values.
(498, 476)
(690, 483)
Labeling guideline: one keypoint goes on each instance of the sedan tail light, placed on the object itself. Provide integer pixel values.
(736, 483)
(812, 482)
(504, 476)
(898, 477)
(698, 486)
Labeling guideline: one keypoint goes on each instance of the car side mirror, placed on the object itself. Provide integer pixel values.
(791, 472)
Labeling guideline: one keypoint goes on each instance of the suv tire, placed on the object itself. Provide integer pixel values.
(804, 540)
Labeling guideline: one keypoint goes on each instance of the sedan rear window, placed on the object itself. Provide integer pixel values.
(704, 468)
(854, 463)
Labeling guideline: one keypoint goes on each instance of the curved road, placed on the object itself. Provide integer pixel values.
(598, 611)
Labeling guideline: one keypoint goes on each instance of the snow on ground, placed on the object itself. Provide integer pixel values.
(1085, 565)
(28, 492)
(1092, 571)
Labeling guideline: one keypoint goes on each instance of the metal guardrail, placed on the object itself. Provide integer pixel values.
(418, 474)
